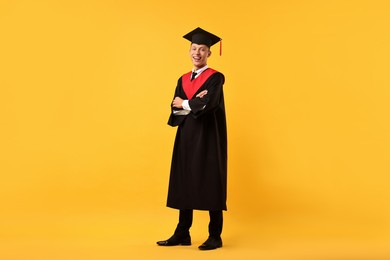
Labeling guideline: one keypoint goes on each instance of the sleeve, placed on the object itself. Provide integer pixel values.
(186, 105)
(211, 101)
(175, 120)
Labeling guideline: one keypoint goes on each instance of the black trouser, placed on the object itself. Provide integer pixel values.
(185, 223)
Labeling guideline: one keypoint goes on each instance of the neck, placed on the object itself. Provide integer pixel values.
(198, 68)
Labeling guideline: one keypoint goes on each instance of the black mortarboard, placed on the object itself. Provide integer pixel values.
(200, 36)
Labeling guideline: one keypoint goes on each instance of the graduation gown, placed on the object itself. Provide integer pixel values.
(198, 177)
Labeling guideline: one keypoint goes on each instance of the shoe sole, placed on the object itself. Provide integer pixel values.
(206, 249)
(180, 244)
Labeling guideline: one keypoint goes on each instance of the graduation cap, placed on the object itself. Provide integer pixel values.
(200, 36)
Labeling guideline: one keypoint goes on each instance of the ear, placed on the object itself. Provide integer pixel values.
(209, 54)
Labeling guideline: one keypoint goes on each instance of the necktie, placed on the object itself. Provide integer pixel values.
(193, 75)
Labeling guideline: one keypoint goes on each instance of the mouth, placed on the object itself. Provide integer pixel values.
(197, 59)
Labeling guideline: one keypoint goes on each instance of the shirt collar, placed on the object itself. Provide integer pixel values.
(199, 71)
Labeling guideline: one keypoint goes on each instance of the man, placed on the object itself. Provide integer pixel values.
(198, 176)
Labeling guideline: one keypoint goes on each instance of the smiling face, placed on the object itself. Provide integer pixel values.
(199, 54)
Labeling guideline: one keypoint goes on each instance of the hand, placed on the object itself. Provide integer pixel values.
(177, 102)
(202, 94)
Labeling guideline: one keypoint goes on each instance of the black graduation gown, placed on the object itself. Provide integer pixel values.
(198, 178)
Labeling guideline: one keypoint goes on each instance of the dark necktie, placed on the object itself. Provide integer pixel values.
(193, 75)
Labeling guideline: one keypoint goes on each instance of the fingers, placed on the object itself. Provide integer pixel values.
(177, 102)
(202, 93)
(174, 102)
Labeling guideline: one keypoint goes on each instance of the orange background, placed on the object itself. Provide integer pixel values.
(85, 149)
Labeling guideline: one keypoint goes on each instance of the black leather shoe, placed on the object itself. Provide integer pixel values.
(211, 243)
(176, 241)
